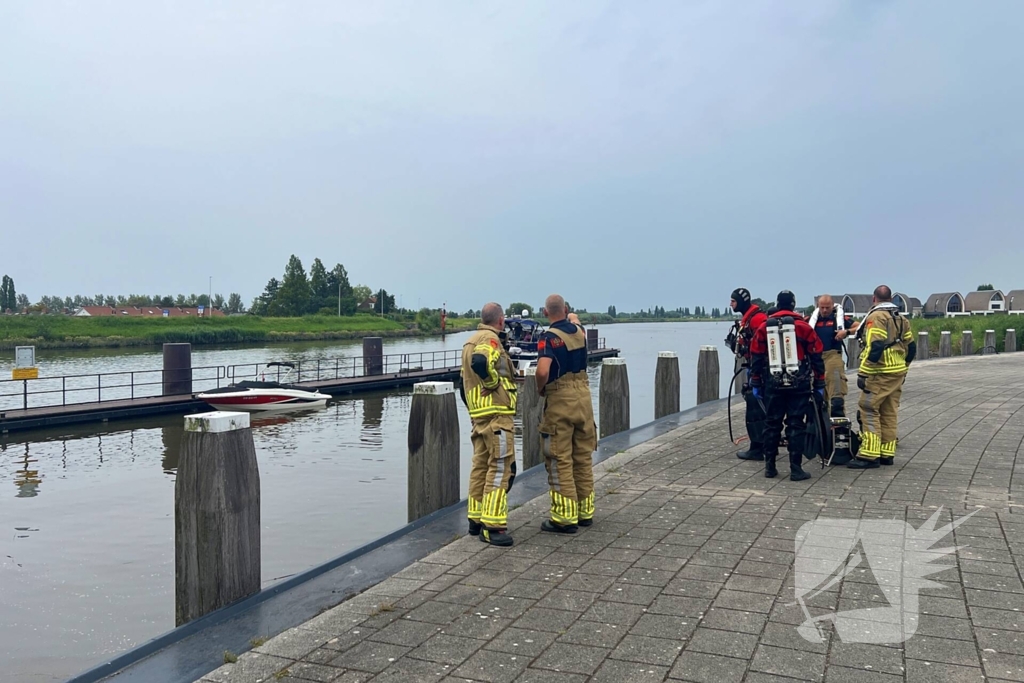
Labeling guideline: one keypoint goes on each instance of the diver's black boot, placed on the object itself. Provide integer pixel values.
(796, 470)
(769, 467)
(755, 452)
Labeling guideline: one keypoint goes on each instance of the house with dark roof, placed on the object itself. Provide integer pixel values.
(944, 305)
(908, 305)
(1015, 301)
(985, 302)
(856, 305)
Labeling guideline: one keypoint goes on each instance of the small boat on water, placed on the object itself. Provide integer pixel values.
(262, 396)
(522, 335)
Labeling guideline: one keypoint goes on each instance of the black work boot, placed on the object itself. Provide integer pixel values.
(863, 464)
(755, 452)
(548, 525)
(796, 471)
(769, 467)
(498, 537)
(885, 460)
(474, 528)
(586, 522)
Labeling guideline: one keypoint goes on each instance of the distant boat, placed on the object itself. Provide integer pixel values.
(522, 336)
(262, 396)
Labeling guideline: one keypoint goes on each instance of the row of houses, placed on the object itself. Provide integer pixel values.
(149, 312)
(941, 305)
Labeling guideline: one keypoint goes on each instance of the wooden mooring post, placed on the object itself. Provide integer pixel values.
(1010, 343)
(177, 374)
(967, 343)
(531, 405)
(373, 356)
(216, 515)
(852, 353)
(990, 343)
(945, 344)
(708, 375)
(922, 345)
(433, 449)
(613, 401)
(666, 384)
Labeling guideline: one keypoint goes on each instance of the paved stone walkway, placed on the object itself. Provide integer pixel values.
(688, 572)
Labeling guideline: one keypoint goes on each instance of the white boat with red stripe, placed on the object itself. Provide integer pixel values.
(262, 396)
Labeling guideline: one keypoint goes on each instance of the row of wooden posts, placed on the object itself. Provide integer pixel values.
(217, 490)
(945, 345)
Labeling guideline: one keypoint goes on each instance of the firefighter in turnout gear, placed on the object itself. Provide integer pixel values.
(567, 429)
(786, 366)
(489, 390)
(739, 341)
(833, 327)
(888, 350)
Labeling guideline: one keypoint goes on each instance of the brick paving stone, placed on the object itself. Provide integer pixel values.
(594, 634)
(734, 620)
(446, 649)
(880, 658)
(725, 643)
(408, 670)
(521, 642)
(540, 619)
(744, 602)
(251, 666)
(840, 674)
(1004, 666)
(614, 671)
(942, 650)
(925, 672)
(572, 658)
(617, 613)
(805, 666)
(704, 668)
(405, 632)
(570, 601)
(647, 650)
(492, 667)
(664, 626)
(369, 657)
(632, 594)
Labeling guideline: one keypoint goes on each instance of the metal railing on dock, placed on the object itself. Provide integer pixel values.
(328, 369)
(97, 387)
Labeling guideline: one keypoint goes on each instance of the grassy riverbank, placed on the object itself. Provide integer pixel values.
(45, 331)
(977, 324)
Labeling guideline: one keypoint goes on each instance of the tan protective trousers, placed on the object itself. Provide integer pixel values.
(568, 440)
(879, 411)
(493, 466)
(835, 375)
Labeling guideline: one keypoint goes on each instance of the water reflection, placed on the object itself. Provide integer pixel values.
(26, 478)
(373, 416)
(170, 435)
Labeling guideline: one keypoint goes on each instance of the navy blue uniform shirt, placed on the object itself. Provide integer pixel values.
(563, 362)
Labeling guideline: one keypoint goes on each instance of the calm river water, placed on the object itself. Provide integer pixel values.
(86, 513)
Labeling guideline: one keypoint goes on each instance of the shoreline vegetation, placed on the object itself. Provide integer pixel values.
(67, 332)
(977, 324)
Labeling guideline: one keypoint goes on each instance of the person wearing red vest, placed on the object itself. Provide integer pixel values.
(739, 341)
(786, 394)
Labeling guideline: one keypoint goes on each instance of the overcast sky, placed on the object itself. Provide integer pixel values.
(631, 153)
